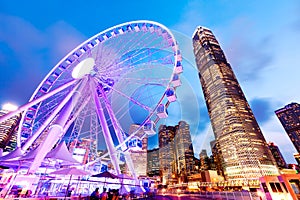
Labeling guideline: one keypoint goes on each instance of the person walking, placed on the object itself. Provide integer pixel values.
(104, 195)
(95, 195)
(115, 195)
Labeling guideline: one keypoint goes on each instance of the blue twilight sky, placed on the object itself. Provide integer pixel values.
(261, 40)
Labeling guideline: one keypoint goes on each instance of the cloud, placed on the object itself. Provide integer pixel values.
(62, 38)
(28, 54)
(295, 24)
(247, 52)
(262, 109)
(19, 65)
(187, 24)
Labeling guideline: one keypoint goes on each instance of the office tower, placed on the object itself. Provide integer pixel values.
(8, 130)
(166, 135)
(245, 154)
(184, 151)
(176, 154)
(289, 116)
(204, 160)
(139, 155)
(216, 158)
(277, 155)
(297, 158)
(153, 162)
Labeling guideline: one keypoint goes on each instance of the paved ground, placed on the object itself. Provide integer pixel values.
(178, 197)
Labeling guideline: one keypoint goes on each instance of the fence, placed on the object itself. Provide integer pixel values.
(242, 195)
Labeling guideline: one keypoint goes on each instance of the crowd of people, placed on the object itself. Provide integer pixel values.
(111, 194)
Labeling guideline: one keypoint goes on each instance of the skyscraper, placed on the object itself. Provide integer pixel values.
(153, 162)
(204, 160)
(245, 154)
(184, 151)
(176, 154)
(289, 116)
(8, 132)
(166, 136)
(277, 155)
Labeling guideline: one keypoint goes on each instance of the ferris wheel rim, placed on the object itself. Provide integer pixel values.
(160, 26)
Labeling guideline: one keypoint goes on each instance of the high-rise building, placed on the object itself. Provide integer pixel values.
(184, 151)
(216, 161)
(176, 154)
(166, 135)
(244, 150)
(297, 158)
(8, 131)
(153, 162)
(204, 160)
(289, 116)
(277, 155)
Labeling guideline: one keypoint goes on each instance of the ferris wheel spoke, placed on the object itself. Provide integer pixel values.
(133, 66)
(127, 97)
(35, 101)
(76, 114)
(128, 42)
(35, 135)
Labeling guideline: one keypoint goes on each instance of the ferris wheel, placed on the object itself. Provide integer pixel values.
(127, 74)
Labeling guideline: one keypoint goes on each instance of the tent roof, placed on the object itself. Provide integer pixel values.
(70, 171)
(13, 154)
(30, 155)
(61, 152)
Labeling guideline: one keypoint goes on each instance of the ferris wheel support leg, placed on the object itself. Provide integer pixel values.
(35, 101)
(56, 131)
(119, 136)
(46, 123)
(106, 133)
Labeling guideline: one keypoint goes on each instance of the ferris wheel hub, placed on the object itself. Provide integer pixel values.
(83, 68)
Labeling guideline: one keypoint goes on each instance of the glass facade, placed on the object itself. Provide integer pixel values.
(176, 154)
(8, 132)
(184, 149)
(244, 152)
(289, 116)
(166, 136)
(153, 162)
(204, 160)
(277, 155)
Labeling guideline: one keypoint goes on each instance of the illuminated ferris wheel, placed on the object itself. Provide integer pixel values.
(127, 74)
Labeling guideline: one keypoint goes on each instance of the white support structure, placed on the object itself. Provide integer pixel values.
(106, 133)
(31, 140)
(55, 131)
(35, 101)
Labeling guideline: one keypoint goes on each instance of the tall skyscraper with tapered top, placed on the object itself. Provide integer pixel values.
(244, 150)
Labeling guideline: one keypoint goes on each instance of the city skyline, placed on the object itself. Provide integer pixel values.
(263, 53)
